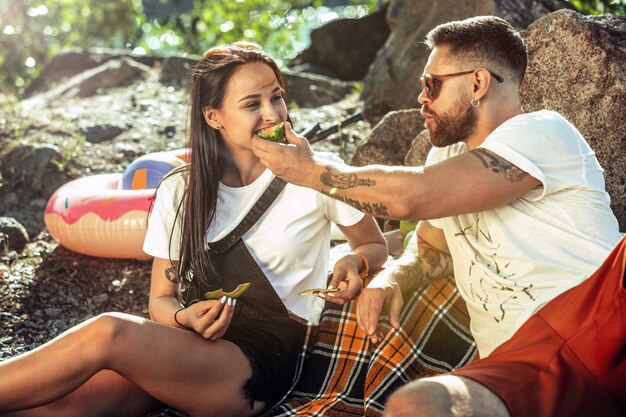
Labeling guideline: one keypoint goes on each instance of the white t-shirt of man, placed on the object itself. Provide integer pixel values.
(510, 261)
(290, 242)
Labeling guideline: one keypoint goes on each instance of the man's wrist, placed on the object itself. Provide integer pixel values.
(313, 178)
(382, 278)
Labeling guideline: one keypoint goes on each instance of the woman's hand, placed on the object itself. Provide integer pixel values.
(345, 277)
(210, 319)
(369, 253)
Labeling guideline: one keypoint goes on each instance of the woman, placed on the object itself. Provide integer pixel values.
(221, 357)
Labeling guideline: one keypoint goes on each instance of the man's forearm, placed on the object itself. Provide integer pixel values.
(475, 181)
(414, 270)
(377, 190)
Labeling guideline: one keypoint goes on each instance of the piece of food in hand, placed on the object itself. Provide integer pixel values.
(237, 292)
(314, 291)
(274, 133)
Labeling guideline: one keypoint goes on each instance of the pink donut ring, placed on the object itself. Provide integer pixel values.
(94, 216)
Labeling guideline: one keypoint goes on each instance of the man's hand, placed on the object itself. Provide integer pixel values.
(383, 292)
(293, 162)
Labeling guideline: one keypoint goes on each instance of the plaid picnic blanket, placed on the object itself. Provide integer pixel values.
(342, 374)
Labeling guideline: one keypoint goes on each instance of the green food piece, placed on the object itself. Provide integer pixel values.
(407, 226)
(214, 295)
(408, 238)
(274, 133)
(237, 292)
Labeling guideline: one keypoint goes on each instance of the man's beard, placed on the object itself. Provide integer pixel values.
(454, 126)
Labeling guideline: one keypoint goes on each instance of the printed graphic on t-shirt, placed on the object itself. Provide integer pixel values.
(486, 271)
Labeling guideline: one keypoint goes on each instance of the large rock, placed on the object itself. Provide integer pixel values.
(577, 66)
(176, 69)
(347, 47)
(34, 170)
(314, 90)
(419, 150)
(101, 132)
(13, 235)
(113, 73)
(390, 139)
(73, 61)
(392, 82)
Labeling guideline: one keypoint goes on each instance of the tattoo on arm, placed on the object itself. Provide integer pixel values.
(171, 273)
(333, 178)
(375, 209)
(430, 266)
(499, 165)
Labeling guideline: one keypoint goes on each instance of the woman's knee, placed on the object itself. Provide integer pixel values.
(106, 330)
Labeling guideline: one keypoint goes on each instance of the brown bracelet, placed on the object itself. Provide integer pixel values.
(179, 323)
(366, 266)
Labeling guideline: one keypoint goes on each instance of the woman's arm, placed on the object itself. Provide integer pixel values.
(164, 292)
(369, 253)
(208, 318)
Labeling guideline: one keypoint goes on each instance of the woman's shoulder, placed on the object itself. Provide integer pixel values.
(176, 178)
(174, 182)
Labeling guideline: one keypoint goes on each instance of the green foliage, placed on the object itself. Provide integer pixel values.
(358, 87)
(282, 27)
(70, 148)
(31, 31)
(617, 7)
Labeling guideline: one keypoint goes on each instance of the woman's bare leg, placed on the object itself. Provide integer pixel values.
(177, 367)
(105, 394)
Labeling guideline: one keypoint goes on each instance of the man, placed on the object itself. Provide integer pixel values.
(514, 204)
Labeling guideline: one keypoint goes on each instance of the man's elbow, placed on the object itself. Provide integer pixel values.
(409, 207)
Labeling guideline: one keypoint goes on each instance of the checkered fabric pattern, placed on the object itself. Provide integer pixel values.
(344, 375)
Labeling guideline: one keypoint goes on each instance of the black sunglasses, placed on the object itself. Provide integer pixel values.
(431, 82)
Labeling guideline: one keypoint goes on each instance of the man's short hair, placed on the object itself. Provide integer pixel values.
(487, 40)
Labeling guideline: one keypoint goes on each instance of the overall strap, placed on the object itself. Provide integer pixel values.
(255, 213)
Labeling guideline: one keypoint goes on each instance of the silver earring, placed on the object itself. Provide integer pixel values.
(475, 103)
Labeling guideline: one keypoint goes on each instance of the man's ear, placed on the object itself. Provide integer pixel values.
(482, 79)
(212, 118)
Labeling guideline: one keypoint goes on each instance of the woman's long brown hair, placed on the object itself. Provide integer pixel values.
(208, 83)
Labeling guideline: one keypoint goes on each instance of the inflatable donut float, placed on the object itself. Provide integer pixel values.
(107, 215)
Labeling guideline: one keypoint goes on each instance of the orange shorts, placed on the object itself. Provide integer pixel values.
(569, 359)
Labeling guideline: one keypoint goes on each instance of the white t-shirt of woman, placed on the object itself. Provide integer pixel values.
(290, 242)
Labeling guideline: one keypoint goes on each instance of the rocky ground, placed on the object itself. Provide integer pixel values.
(45, 289)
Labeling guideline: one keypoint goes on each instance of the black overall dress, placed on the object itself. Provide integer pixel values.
(261, 325)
